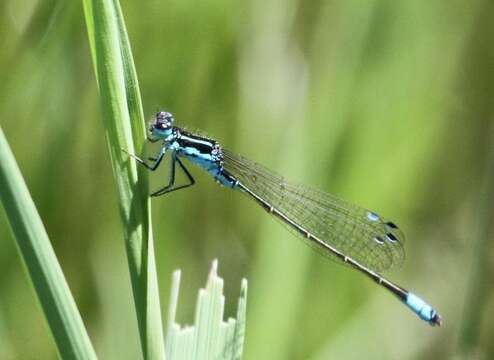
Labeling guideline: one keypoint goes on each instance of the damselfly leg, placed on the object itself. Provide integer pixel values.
(153, 167)
(169, 188)
(171, 182)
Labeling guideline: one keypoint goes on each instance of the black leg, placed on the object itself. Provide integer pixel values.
(171, 179)
(157, 160)
(169, 188)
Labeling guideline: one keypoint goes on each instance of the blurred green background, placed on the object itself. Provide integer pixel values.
(386, 104)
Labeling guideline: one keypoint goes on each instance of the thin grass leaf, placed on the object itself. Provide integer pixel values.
(479, 278)
(123, 121)
(210, 337)
(42, 265)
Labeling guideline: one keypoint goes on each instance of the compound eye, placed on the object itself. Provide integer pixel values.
(168, 118)
(162, 121)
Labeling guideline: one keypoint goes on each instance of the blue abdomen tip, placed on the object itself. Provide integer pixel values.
(423, 310)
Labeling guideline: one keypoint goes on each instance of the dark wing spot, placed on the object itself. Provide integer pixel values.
(391, 237)
(392, 225)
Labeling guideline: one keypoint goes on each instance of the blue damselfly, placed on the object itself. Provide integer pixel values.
(352, 235)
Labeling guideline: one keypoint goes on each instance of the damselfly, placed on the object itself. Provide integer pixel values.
(348, 233)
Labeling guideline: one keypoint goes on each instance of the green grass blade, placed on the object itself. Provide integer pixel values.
(476, 302)
(123, 121)
(210, 337)
(44, 270)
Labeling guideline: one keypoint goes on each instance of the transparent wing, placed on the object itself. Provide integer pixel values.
(358, 233)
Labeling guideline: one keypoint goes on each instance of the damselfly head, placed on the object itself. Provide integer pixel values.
(161, 124)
